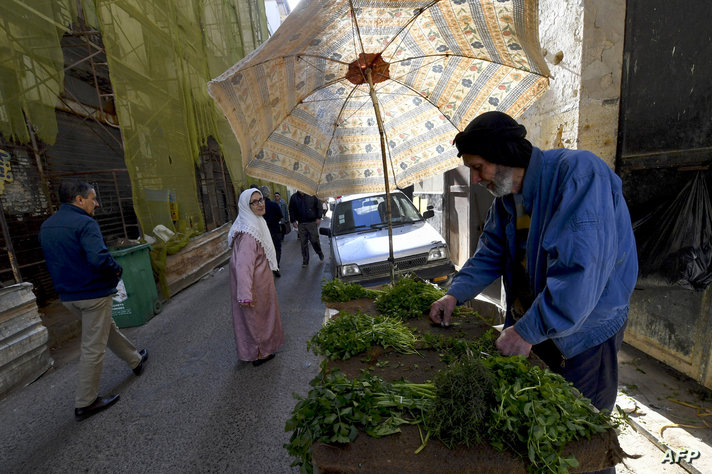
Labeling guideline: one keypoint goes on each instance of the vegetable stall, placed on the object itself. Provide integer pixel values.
(397, 394)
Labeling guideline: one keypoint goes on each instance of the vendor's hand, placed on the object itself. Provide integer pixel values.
(318, 222)
(441, 310)
(511, 343)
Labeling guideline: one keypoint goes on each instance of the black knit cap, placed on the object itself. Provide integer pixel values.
(496, 137)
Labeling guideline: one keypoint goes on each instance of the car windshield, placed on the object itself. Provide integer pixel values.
(370, 213)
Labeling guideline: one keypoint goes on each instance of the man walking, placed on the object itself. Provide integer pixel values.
(305, 215)
(85, 276)
(559, 233)
(284, 223)
(273, 216)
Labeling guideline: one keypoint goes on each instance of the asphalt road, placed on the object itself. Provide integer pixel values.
(196, 408)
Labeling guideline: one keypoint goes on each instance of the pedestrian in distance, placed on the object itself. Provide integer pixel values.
(85, 276)
(273, 216)
(305, 215)
(560, 236)
(255, 310)
(284, 223)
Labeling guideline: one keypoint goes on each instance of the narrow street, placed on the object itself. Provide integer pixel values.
(196, 408)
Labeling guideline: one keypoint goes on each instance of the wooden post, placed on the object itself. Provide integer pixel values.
(382, 134)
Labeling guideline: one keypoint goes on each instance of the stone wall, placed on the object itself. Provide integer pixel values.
(601, 70)
(552, 121)
(583, 46)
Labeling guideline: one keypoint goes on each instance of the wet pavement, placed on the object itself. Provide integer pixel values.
(197, 408)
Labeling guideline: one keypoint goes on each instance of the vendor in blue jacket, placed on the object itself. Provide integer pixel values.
(85, 276)
(560, 236)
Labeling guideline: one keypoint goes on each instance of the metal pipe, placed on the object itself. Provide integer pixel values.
(118, 200)
(40, 168)
(8, 244)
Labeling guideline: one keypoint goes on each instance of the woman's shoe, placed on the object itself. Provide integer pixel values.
(262, 361)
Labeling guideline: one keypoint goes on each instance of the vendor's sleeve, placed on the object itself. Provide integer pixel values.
(580, 244)
(486, 265)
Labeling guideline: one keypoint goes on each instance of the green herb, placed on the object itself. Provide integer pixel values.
(454, 348)
(463, 402)
(350, 334)
(538, 412)
(338, 291)
(336, 408)
(408, 298)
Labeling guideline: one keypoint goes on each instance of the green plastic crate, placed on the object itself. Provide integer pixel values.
(137, 299)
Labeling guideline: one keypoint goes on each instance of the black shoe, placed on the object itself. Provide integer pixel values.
(321, 256)
(259, 362)
(138, 370)
(276, 273)
(304, 264)
(98, 405)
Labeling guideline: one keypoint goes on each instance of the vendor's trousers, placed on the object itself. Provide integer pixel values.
(98, 331)
(594, 372)
(309, 232)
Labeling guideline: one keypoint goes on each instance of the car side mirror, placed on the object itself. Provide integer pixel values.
(325, 231)
(428, 214)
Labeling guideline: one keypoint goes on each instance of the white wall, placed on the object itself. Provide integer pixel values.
(583, 45)
(552, 122)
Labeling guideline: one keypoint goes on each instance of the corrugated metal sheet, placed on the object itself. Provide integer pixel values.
(85, 150)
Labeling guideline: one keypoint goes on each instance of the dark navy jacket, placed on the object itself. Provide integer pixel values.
(273, 215)
(304, 208)
(580, 253)
(77, 258)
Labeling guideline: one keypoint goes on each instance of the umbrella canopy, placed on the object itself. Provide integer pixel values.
(353, 96)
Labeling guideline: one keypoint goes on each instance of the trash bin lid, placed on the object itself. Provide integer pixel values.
(120, 252)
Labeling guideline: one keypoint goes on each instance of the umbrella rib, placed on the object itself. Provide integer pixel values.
(408, 25)
(448, 55)
(427, 99)
(335, 125)
(355, 25)
(357, 35)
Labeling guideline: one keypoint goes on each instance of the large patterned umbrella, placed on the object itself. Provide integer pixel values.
(356, 96)
(346, 89)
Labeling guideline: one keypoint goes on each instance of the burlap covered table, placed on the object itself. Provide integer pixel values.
(396, 453)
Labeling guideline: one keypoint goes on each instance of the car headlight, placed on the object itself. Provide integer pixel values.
(350, 269)
(437, 253)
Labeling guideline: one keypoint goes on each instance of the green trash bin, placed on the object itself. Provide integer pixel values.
(136, 300)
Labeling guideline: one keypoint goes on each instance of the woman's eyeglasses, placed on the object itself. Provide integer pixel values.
(257, 201)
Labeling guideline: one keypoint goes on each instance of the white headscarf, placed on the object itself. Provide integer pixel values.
(250, 223)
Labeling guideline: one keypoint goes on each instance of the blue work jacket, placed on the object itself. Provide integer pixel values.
(580, 253)
(77, 258)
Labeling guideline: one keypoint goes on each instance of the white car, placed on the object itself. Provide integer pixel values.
(359, 241)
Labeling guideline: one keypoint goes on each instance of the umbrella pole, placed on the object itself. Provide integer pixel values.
(382, 134)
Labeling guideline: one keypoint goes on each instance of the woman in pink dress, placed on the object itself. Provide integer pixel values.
(255, 312)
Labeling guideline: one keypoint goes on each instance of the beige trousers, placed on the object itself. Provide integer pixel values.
(98, 331)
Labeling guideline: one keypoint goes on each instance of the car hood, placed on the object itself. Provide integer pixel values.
(372, 246)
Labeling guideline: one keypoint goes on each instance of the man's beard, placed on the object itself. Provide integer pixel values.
(502, 183)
